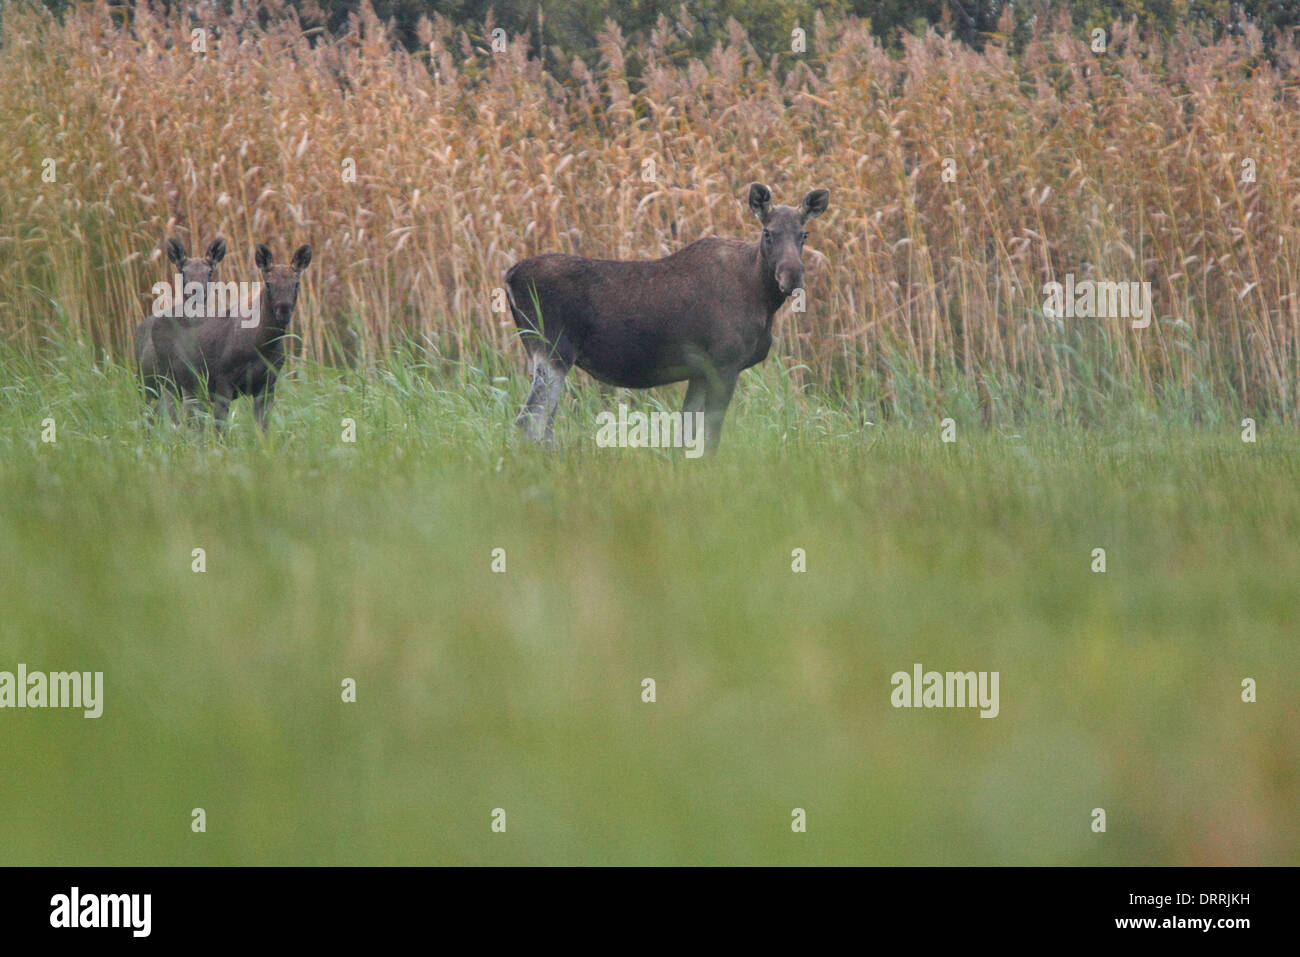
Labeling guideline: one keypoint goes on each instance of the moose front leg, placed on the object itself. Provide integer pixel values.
(718, 390)
(693, 410)
(221, 400)
(262, 406)
(153, 400)
(170, 401)
(710, 390)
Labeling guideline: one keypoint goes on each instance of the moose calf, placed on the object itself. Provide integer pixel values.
(702, 314)
(193, 270)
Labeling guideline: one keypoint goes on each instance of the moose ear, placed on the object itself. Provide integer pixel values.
(217, 251)
(760, 201)
(302, 258)
(815, 203)
(262, 257)
(176, 252)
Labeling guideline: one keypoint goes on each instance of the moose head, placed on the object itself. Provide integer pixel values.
(196, 269)
(783, 233)
(280, 283)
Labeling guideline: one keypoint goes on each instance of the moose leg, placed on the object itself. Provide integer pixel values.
(262, 405)
(152, 401)
(537, 418)
(220, 410)
(693, 409)
(191, 393)
(169, 399)
(717, 396)
(710, 390)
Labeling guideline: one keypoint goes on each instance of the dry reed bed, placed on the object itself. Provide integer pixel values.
(1125, 166)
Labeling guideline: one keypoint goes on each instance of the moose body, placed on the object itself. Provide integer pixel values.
(641, 324)
(703, 315)
(222, 357)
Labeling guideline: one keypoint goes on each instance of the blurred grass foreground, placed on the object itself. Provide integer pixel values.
(523, 688)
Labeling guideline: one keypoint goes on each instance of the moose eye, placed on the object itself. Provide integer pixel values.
(802, 237)
(767, 236)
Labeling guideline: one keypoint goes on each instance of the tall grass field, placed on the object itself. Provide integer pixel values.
(388, 624)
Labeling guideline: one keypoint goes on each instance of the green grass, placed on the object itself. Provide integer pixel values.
(522, 690)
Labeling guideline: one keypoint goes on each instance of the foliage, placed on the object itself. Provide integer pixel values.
(1129, 165)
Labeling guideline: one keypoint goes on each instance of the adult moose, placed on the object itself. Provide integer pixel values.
(702, 315)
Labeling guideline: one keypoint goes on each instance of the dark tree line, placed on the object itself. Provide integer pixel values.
(572, 26)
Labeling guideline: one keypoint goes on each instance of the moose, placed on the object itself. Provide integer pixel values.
(223, 356)
(702, 314)
(193, 270)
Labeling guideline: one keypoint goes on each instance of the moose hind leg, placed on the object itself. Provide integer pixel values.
(537, 418)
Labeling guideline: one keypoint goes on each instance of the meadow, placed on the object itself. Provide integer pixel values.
(522, 690)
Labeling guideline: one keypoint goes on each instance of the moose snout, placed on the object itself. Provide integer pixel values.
(789, 278)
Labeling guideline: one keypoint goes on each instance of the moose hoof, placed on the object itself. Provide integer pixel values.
(533, 428)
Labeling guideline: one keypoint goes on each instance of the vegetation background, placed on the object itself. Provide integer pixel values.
(1166, 159)
(327, 559)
